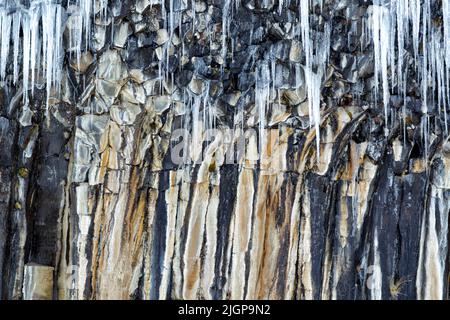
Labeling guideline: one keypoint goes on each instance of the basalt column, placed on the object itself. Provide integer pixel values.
(224, 149)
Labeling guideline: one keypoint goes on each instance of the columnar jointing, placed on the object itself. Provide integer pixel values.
(221, 149)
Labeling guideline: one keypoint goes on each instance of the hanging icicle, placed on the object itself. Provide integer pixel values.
(31, 46)
(381, 40)
(40, 22)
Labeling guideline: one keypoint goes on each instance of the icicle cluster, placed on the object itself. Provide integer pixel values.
(35, 30)
(31, 42)
(397, 25)
(316, 54)
(262, 98)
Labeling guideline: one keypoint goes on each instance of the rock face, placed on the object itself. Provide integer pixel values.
(218, 149)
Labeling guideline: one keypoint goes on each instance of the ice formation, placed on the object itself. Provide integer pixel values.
(35, 30)
(262, 98)
(397, 25)
(32, 39)
(381, 40)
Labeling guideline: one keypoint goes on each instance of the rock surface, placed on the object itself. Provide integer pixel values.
(306, 189)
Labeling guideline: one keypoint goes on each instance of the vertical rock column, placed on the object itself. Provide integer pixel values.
(38, 282)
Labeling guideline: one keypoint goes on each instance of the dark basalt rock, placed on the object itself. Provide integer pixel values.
(94, 204)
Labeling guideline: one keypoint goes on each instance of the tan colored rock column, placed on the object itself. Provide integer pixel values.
(38, 282)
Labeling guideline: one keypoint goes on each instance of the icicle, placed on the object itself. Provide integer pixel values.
(52, 35)
(34, 28)
(171, 20)
(401, 26)
(197, 129)
(16, 30)
(304, 25)
(225, 26)
(306, 41)
(426, 73)
(26, 55)
(402, 31)
(446, 20)
(425, 70)
(5, 24)
(58, 46)
(446, 84)
(314, 88)
(86, 9)
(392, 40)
(40, 22)
(381, 40)
(319, 56)
(415, 16)
(262, 93)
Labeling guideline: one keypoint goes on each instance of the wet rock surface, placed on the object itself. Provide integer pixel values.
(326, 195)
